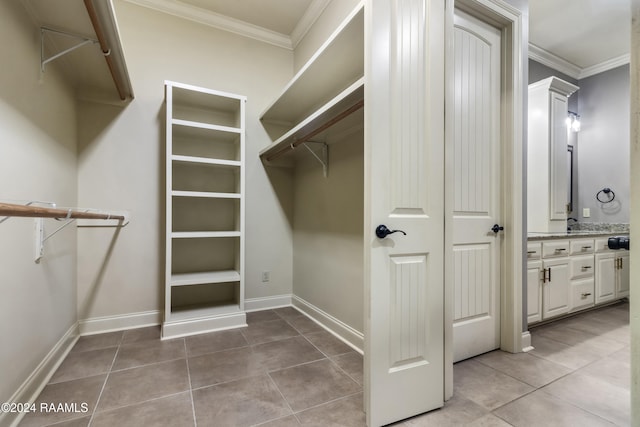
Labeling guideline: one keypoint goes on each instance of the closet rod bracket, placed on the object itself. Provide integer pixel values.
(82, 41)
(323, 157)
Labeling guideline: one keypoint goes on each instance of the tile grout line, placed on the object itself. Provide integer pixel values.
(104, 385)
(193, 405)
(284, 399)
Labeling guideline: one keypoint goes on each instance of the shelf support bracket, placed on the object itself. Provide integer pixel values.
(44, 30)
(323, 158)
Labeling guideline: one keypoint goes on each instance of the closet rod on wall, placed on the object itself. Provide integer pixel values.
(326, 125)
(124, 89)
(8, 209)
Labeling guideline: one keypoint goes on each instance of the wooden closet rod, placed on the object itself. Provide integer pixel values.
(8, 209)
(106, 51)
(355, 107)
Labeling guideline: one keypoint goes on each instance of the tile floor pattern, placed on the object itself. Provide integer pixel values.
(284, 370)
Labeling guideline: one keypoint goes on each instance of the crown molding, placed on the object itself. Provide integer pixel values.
(557, 63)
(550, 60)
(309, 18)
(605, 66)
(216, 20)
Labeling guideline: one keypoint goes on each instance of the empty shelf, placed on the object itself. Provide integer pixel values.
(205, 277)
(201, 125)
(203, 234)
(206, 161)
(205, 194)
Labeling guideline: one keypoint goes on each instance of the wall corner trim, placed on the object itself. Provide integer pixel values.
(33, 385)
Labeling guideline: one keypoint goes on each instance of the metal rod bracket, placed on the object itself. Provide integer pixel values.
(323, 158)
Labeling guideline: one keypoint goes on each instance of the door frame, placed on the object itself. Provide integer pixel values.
(510, 22)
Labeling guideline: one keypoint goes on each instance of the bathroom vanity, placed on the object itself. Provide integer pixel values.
(569, 272)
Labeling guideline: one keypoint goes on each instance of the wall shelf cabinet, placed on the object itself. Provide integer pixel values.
(205, 131)
(547, 155)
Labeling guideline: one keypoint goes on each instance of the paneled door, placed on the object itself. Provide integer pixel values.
(404, 182)
(476, 212)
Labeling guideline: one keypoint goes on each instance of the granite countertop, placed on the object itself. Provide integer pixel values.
(573, 234)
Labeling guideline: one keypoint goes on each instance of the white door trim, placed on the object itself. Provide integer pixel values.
(509, 20)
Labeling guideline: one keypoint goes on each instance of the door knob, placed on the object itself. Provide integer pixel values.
(382, 231)
(497, 228)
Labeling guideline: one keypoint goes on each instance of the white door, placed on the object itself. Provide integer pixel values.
(404, 182)
(475, 157)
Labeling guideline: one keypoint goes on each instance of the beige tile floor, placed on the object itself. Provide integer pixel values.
(284, 370)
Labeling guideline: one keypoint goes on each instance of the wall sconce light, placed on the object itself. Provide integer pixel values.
(573, 121)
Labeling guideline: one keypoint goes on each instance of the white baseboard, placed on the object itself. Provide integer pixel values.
(266, 303)
(33, 385)
(526, 342)
(203, 325)
(99, 325)
(341, 330)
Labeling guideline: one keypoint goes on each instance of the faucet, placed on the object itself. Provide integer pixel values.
(569, 226)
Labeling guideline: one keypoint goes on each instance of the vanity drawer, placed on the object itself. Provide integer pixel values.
(534, 250)
(581, 294)
(581, 266)
(582, 246)
(601, 244)
(555, 248)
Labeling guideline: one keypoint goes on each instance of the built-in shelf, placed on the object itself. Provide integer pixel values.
(334, 67)
(205, 277)
(201, 125)
(205, 149)
(176, 193)
(206, 161)
(203, 234)
(200, 311)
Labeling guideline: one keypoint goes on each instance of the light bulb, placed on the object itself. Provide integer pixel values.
(575, 126)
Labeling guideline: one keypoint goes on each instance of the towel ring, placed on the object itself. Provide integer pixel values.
(607, 191)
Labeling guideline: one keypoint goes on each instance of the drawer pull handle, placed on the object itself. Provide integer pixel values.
(586, 247)
(560, 249)
(586, 294)
(586, 267)
(531, 252)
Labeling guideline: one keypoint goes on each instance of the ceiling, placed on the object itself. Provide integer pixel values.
(577, 37)
(584, 33)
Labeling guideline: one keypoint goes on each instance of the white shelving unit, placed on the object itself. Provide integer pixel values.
(204, 275)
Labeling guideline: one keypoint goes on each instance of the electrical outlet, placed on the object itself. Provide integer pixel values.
(586, 212)
(266, 276)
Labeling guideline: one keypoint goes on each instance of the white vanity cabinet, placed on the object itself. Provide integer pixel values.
(612, 273)
(569, 275)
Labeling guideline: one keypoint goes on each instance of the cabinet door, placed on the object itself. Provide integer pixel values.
(622, 275)
(558, 160)
(605, 277)
(534, 291)
(555, 292)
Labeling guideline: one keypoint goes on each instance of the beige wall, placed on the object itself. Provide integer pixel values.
(328, 231)
(121, 163)
(37, 162)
